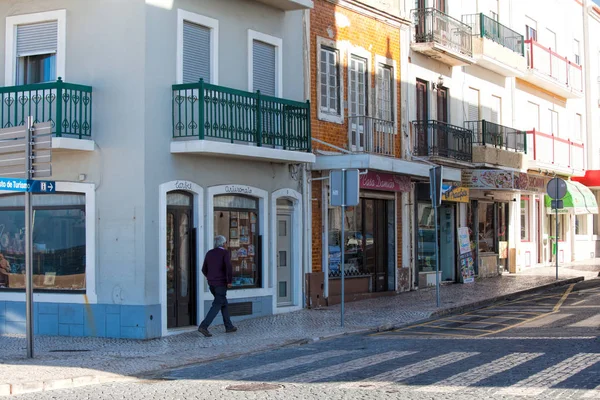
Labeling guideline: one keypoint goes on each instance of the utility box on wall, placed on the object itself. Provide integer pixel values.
(315, 285)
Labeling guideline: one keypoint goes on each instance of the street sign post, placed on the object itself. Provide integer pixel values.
(26, 153)
(557, 189)
(435, 190)
(344, 190)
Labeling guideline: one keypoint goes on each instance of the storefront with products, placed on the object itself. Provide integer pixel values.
(370, 240)
(449, 216)
(495, 218)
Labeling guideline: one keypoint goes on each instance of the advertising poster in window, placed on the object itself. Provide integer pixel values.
(467, 264)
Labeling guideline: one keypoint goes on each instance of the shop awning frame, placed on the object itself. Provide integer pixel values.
(579, 200)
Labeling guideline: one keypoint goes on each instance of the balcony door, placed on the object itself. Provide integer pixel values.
(422, 144)
(357, 99)
(441, 133)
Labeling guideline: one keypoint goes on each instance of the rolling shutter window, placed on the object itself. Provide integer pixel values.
(196, 53)
(264, 68)
(473, 104)
(36, 39)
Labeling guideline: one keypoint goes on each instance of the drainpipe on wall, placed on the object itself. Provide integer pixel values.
(589, 142)
(306, 172)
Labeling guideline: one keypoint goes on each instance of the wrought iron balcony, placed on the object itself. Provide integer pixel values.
(66, 105)
(371, 135)
(439, 139)
(489, 133)
(205, 111)
(488, 28)
(434, 27)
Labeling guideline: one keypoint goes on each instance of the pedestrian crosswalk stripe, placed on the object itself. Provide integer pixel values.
(592, 322)
(278, 366)
(537, 383)
(409, 371)
(349, 366)
(544, 321)
(468, 378)
(592, 394)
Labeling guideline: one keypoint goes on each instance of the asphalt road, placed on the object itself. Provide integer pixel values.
(542, 346)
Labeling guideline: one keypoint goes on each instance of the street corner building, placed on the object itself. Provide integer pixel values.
(176, 122)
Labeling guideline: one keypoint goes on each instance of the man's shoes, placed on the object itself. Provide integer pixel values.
(231, 330)
(204, 331)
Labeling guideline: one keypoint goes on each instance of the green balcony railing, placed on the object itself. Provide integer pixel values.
(206, 111)
(486, 27)
(66, 105)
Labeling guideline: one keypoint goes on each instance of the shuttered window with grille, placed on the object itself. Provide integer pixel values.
(37, 45)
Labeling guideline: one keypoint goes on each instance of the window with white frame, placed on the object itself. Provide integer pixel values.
(576, 53)
(525, 237)
(358, 86)
(197, 48)
(329, 81)
(581, 224)
(265, 64)
(577, 126)
(35, 47)
(553, 122)
(496, 110)
(472, 98)
(385, 92)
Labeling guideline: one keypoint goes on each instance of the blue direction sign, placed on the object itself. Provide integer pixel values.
(24, 185)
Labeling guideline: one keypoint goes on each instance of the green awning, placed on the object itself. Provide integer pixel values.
(578, 200)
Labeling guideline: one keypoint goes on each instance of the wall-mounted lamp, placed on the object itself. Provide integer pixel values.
(439, 84)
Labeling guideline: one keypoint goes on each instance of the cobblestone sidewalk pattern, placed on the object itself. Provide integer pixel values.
(67, 362)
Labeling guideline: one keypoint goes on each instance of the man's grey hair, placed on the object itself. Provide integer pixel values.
(220, 241)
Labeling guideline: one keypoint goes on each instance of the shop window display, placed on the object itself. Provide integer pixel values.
(236, 218)
(59, 248)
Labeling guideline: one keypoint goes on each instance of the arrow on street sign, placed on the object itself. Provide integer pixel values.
(24, 185)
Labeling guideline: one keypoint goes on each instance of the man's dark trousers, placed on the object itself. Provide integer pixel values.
(219, 304)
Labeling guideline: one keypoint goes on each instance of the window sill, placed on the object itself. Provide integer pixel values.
(334, 118)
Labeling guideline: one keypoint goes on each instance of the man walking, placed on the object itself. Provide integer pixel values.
(218, 271)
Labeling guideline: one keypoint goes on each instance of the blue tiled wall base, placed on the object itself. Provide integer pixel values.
(261, 306)
(99, 320)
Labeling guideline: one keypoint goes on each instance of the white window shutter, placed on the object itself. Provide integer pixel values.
(35, 39)
(473, 104)
(264, 68)
(196, 52)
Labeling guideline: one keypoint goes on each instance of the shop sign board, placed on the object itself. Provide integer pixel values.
(504, 180)
(467, 264)
(386, 182)
(457, 194)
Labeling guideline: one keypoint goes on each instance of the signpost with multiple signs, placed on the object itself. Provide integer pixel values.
(26, 153)
(435, 190)
(344, 191)
(557, 189)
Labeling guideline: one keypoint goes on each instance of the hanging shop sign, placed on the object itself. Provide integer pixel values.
(457, 194)
(387, 182)
(504, 180)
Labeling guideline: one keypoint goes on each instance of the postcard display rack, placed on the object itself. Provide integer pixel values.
(242, 247)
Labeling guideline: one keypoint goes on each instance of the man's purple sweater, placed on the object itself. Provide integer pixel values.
(217, 267)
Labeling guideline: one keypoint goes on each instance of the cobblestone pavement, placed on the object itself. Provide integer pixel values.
(555, 358)
(66, 358)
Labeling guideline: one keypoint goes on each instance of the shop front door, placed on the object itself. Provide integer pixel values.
(284, 259)
(447, 242)
(181, 239)
(376, 243)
